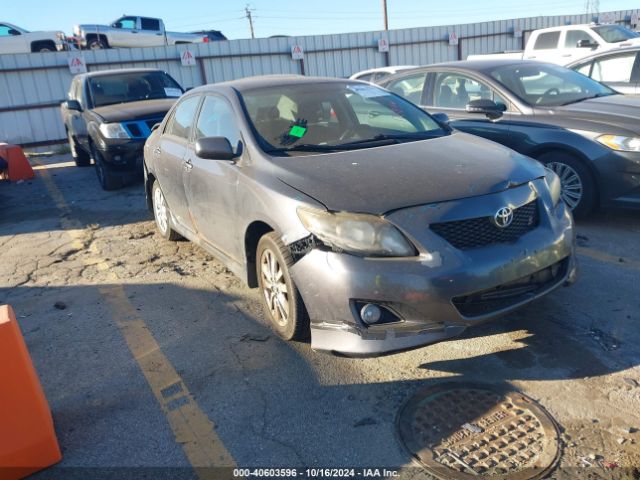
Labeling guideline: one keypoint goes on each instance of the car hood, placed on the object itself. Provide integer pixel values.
(121, 112)
(613, 114)
(381, 179)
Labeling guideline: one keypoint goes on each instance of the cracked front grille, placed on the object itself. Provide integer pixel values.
(481, 231)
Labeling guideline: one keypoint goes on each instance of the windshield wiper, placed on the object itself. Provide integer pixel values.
(306, 147)
(393, 138)
(597, 95)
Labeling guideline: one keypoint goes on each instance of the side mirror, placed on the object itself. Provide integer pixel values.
(584, 43)
(74, 105)
(442, 118)
(117, 25)
(13, 31)
(485, 106)
(214, 148)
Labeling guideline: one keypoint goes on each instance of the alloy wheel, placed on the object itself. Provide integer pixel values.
(160, 210)
(274, 287)
(571, 183)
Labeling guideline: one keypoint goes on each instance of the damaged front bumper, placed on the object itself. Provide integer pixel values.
(435, 295)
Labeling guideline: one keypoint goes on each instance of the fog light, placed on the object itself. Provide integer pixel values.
(370, 313)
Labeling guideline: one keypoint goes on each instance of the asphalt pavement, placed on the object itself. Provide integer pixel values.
(156, 359)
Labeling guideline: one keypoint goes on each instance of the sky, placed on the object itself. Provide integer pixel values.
(286, 17)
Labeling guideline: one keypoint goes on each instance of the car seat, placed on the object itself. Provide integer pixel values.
(445, 97)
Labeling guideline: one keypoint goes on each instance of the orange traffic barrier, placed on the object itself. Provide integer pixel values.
(27, 439)
(19, 168)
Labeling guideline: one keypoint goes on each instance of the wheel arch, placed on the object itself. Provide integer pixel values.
(39, 43)
(255, 231)
(98, 36)
(577, 154)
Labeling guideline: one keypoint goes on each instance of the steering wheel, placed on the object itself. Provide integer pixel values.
(553, 91)
(348, 133)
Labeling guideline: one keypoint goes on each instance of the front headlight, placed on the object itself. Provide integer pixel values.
(555, 186)
(113, 130)
(362, 234)
(620, 143)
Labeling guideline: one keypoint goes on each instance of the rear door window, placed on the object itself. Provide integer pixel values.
(150, 24)
(409, 87)
(547, 41)
(182, 121)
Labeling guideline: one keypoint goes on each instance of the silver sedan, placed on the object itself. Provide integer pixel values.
(365, 222)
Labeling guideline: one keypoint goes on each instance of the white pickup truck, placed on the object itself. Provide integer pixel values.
(563, 45)
(18, 40)
(131, 31)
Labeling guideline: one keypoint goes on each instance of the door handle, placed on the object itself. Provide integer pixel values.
(157, 151)
(567, 55)
(187, 165)
(134, 31)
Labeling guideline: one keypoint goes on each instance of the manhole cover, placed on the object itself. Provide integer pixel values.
(460, 431)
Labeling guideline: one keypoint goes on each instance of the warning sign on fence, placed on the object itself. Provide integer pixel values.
(383, 45)
(188, 59)
(453, 38)
(77, 65)
(296, 52)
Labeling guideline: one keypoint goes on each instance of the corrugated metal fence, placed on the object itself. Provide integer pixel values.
(33, 85)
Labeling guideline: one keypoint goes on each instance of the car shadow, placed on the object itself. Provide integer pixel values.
(273, 403)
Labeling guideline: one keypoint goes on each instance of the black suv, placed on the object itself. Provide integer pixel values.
(109, 116)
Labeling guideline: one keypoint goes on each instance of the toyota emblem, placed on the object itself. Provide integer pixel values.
(503, 217)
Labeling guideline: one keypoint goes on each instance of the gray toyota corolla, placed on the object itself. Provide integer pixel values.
(363, 220)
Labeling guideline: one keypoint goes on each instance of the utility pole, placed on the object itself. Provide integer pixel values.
(384, 11)
(592, 6)
(248, 14)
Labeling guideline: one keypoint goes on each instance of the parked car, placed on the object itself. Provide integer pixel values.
(110, 114)
(619, 69)
(568, 43)
(377, 75)
(132, 31)
(583, 130)
(14, 39)
(212, 35)
(362, 220)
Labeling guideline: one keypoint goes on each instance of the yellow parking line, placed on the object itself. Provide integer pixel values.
(191, 427)
(605, 257)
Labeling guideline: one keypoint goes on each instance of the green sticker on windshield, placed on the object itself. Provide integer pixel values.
(297, 131)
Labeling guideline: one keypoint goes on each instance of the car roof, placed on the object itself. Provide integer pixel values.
(604, 53)
(249, 83)
(477, 65)
(116, 71)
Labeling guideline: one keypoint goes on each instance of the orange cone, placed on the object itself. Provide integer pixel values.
(27, 439)
(19, 168)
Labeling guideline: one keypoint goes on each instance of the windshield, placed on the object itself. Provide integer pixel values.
(332, 116)
(548, 85)
(615, 33)
(132, 87)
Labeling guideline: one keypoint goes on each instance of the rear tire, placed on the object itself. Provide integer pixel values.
(281, 299)
(579, 190)
(108, 180)
(96, 44)
(162, 214)
(82, 158)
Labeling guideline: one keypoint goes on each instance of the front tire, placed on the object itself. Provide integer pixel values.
(81, 157)
(579, 191)
(162, 214)
(281, 299)
(108, 180)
